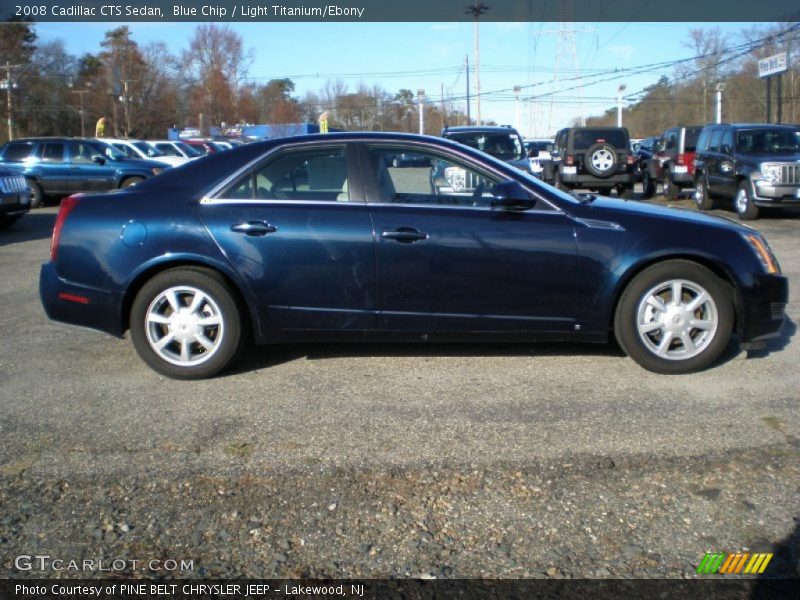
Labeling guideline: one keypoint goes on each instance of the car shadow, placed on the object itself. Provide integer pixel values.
(35, 225)
(255, 358)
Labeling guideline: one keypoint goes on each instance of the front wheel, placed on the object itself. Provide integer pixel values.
(37, 195)
(674, 317)
(185, 323)
(745, 207)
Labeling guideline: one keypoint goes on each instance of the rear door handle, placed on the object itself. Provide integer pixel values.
(406, 235)
(254, 228)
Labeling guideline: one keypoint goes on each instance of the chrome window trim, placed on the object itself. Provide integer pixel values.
(210, 198)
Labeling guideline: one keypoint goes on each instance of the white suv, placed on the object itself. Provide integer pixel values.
(140, 149)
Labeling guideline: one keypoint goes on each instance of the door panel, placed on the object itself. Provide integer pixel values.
(448, 261)
(476, 270)
(308, 256)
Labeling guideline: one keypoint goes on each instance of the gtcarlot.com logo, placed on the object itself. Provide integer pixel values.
(45, 562)
(725, 563)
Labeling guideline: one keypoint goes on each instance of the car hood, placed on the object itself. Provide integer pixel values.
(774, 157)
(620, 211)
(138, 163)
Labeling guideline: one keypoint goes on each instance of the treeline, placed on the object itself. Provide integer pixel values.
(142, 90)
(688, 95)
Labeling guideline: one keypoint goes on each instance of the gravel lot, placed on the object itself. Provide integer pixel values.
(549, 460)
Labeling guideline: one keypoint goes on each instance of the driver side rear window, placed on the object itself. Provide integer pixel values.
(312, 174)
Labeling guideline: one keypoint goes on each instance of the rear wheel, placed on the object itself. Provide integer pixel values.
(674, 317)
(702, 197)
(185, 323)
(745, 207)
(671, 191)
(131, 181)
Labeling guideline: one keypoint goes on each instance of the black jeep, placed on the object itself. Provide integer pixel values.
(595, 158)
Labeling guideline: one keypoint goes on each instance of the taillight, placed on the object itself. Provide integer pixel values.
(630, 159)
(680, 158)
(67, 204)
(570, 160)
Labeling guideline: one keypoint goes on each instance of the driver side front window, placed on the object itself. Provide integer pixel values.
(414, 176)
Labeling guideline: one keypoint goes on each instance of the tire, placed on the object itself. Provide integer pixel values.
(601, 160)
(671, 191)
(182, 353)
(130, 181)
(702, 198)
(37, 195)
(648, 185)
(743, 202)
(658, 333)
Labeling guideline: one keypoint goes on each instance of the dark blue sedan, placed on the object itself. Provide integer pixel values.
(321, 238)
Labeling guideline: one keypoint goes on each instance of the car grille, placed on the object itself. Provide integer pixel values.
(13, 185)
(790, 174)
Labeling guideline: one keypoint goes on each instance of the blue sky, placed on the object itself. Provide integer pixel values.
(431, 56)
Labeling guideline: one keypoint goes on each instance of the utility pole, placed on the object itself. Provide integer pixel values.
(469, 116)
(476, 10)
(517, 90)
(9, 84)
(421, 99)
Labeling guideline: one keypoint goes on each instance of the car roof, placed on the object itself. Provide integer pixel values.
(470, 128)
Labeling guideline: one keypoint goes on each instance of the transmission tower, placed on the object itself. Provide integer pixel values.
(566, 58)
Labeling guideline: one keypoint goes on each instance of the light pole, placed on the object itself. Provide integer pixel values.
(720, 88)
(620, 89)
(476, 10)
(517, 90)
(81, 112)
(8, 85)
(421, 101)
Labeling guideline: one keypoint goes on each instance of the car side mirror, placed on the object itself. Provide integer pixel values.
(726, 149)
(98, 159)
(510, 195)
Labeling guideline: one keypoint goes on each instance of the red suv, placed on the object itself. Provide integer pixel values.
(672, 163)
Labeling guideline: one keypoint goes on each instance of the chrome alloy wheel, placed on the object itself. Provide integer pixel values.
(184, 326)
(603, 159)
(677, 319)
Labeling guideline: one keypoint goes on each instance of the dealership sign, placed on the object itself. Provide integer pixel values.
(772, 65)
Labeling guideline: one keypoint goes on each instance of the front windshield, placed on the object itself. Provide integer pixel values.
(148, 149)
(108, 150)
(768, 141)
(504, 146)
(188, 149)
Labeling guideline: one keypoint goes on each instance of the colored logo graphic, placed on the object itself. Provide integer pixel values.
(734, 564)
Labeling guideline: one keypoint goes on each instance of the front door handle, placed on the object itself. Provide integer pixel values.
(405, 235)
(254, 228)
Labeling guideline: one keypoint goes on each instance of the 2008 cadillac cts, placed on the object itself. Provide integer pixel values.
(320, 238)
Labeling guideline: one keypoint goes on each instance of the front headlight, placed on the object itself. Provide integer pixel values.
(771, 174)
(763, 252)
